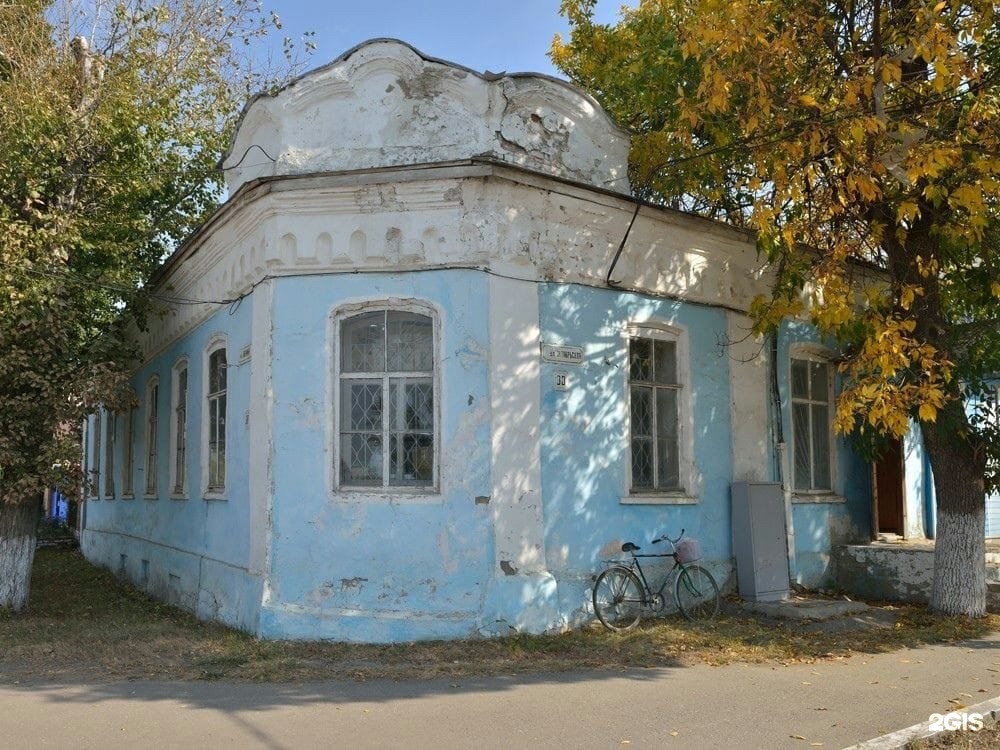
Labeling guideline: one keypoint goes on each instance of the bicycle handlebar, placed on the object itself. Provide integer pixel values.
(666, 538)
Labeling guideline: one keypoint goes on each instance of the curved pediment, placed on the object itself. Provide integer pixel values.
(384, 103)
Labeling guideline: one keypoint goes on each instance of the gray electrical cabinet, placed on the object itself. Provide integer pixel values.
(760, 543)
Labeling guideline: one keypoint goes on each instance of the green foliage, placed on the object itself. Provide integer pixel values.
(860, 140)
(107, 160)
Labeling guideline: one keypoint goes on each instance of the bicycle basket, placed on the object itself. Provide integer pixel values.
(688, 550)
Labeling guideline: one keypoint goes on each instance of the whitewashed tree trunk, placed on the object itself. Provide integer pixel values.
(18, 526)
(960, 540)
(960, 564)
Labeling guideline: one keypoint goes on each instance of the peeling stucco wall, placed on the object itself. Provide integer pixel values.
(498, 202)
(184, 549)
(385, 103)
(885, 573)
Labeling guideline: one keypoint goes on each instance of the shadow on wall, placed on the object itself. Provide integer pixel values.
(584, 440)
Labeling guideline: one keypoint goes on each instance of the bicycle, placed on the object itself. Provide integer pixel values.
(622, 592)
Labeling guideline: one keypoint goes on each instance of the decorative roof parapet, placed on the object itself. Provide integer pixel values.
(383, 103)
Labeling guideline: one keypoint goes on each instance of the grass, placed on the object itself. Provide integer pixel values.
(987, 738)
(82, 622)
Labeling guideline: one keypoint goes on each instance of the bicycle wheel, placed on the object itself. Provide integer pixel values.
(696, 594)
(618, 598)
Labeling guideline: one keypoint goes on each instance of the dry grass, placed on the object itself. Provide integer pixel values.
(85, 624)
(985, 739)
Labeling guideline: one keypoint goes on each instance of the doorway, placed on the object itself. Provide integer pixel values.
(888, 472)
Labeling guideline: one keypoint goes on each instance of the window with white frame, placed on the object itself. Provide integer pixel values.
(127, 454)
(152, 428)
(387, 419)
(215, 414)
(95, 457)
(812, 397)
(655, 409)
(178, 429)
(109, 456)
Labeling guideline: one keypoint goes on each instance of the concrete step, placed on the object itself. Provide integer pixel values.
(992, 572)
(993, 597)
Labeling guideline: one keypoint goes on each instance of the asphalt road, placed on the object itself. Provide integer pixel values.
(836, 703)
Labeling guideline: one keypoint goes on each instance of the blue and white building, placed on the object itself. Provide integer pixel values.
(463, 365)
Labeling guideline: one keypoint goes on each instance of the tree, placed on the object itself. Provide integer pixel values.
(108, 151)
(848, 134)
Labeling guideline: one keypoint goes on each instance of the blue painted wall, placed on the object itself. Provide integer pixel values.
(196, 549)
(358, 567)
(821, 526)
(584, 436)
(384, 567)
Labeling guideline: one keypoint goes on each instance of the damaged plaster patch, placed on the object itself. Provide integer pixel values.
(352, 583)
(507, 568)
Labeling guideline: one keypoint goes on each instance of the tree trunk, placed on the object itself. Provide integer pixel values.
(960, 550)
(18, 527)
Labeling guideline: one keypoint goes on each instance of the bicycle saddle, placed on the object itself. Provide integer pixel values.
(629, 547)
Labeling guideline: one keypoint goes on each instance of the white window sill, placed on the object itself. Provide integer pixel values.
(817, 498)
(150, 497)
(214, 496)
(659, 498)
(108, 497)
(128, 496)
(390, 496)
(178, 496)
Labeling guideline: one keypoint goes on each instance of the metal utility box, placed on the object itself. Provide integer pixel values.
(760, 543)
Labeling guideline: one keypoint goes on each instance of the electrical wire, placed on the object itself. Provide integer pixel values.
(234, 302)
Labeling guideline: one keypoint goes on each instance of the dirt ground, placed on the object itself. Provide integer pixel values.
(83, 623)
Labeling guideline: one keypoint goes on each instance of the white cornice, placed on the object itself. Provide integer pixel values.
(500, 219)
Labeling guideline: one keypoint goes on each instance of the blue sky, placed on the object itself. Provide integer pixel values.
(511, 35)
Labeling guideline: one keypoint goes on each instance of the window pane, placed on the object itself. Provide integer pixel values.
(362, 343)
(411, 404)
(642, 463)
(361, 460)
(668, 464)
(640, 357)
(109, 459)
(800, 428)
(129, 437)
(411, 459)
(642, 411)
(361, 405)
(666, 413)
(665, 366)
(217, 371)
(821, 447)
(819, 381)
(410, 342)
(800, 378)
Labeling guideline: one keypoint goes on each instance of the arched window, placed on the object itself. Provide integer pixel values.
(109, 455)
(178, 429)
(658, 408)
(152, 429)
(812, 415)
(215, 416)
(387, 422)
(127, 455)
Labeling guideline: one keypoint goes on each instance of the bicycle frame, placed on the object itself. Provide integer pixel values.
(648, 592)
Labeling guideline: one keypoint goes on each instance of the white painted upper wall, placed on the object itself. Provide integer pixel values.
(383, 104)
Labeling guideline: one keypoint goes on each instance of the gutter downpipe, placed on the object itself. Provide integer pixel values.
(784, 469)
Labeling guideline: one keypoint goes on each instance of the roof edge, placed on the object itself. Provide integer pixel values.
(485, 76)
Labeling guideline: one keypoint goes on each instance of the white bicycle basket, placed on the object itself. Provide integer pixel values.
(688, 550)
